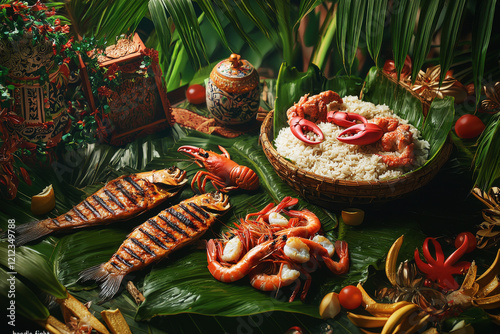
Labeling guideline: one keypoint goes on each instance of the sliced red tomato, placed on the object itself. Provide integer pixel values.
(350, 297)
(469, 126)
(195, 94)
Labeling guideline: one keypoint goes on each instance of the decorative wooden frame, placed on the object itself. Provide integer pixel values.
(128, 57)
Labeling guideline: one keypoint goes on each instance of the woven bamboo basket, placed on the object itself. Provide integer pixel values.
(326, 191)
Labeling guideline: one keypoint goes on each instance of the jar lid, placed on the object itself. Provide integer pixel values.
(235, 75)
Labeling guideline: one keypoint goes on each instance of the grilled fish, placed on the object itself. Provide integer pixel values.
(122, 198)
(156, 238)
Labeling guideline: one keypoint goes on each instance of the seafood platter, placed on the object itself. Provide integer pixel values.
(219, 237)
(337, 149)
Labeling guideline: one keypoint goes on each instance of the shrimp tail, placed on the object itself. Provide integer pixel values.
(108, 282)
(30, 231)
(341, 267)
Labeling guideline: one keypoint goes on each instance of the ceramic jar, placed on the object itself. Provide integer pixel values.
(233, 92)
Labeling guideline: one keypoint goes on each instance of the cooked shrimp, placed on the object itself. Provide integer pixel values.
(319, 252)
(242, 267)
(276, 218)
(306, 229)
(264, 278)
(232, 250)
(297, 250)
(326, 243)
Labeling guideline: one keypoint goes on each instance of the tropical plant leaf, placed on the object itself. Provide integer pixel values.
(187, 26)
(105, 18)
(212, 17)
(375, 20)
(160, 20)
(428, 18)
(326, 36)
(481, 32)
(402, 25)
(26, 303)
(350, 16)
(449, 33)
(487, 159)
(22, 260)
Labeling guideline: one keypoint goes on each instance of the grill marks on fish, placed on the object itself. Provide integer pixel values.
(114, 199)
(103, 204)
(120, 199)
(156, 238)
(160, 235)
(199, 210)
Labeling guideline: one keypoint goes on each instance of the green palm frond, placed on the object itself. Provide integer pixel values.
(427, 21)
(350, 16)
(487, 159)
(375, 21)
(402, 26)
(104, 18)
(451, 25)
(481, 32)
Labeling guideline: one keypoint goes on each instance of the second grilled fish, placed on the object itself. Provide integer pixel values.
(120, 199)
(159, 236)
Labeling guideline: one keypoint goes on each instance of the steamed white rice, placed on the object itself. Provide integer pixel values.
(337, 160)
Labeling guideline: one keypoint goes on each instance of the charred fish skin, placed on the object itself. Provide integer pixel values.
(120, 199)
(156, 238)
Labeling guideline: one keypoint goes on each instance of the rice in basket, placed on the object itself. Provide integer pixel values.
(338, 160)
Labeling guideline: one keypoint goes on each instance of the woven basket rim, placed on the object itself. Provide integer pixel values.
(437, 162)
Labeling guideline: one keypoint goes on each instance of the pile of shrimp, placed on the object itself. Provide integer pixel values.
(275, 251)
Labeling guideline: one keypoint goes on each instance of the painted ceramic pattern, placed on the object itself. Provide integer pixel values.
(226, 69)
(231, 108)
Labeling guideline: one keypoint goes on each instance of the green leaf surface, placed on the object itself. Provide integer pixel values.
(451, 25)
(481, 32)
(375, 21)
(25, 302)
(403, 21)
(350, 16)
(20, 260)
(428, 18)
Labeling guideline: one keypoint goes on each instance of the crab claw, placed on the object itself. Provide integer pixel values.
(344, 119)
(298, 125)
(361, 134)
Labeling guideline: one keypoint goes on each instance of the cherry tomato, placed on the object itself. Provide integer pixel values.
(350, 297)
(469, 126)
(459, 240)
(195, 94)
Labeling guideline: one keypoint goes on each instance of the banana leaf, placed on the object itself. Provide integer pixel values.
(17, 294)
(21, 260)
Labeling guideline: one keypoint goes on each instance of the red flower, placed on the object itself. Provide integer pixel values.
(39, 6)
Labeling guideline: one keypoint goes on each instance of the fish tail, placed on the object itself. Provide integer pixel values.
(30, 231)
(108, 282)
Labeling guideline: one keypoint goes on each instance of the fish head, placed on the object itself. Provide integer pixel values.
(171, 176)
(214, 201)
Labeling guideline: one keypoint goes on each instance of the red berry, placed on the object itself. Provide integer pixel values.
(195, 94)
(471, 238)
